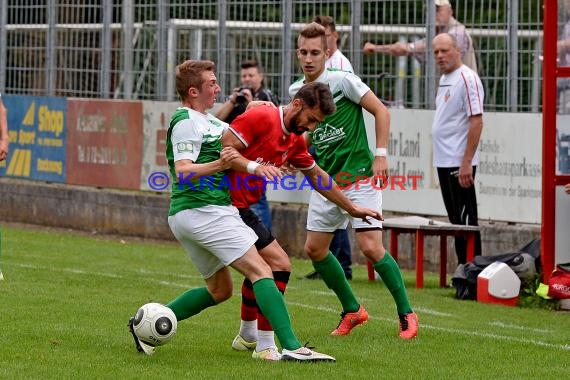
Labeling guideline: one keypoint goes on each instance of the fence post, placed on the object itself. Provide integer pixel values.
(128, 29)
(513, 52)
(286, 50)
(430, 61)
(51, 38)
(161, 46)
(221, 41)
(3, 60)
(105, 72)
(355, 40)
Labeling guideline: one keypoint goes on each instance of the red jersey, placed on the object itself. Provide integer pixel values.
(262, 131)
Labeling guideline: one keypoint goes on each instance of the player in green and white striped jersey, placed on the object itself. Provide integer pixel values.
(342, 147)
(203, 220)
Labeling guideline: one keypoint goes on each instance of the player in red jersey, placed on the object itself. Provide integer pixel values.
(268, 137)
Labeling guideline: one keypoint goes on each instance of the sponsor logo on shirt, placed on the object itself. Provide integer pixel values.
(327, 134)
(185, 147)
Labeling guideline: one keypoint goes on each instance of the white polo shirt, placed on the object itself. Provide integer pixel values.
(339, 61)
(460, 95)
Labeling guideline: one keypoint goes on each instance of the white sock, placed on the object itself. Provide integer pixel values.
(265, 339)
(248, 330)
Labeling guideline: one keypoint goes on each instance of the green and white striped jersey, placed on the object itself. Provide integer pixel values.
(195, 136)
(340, 141)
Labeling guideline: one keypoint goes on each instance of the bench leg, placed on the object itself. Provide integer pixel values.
(442, 261)
(394, 244)
(371, 275)
(419, 259)
(470, 246)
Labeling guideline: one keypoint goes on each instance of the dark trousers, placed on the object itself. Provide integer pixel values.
(461, 206)
(340, 248)
(262, 210)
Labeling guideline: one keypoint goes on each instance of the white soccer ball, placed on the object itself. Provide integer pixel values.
(155, 324)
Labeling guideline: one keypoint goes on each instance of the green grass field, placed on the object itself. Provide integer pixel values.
(66, 299)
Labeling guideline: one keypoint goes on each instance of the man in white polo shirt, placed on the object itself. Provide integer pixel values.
(456, 131)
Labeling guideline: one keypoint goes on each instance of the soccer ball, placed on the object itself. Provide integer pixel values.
(155, 324)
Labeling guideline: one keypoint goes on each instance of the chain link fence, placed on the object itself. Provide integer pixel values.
(128, 50)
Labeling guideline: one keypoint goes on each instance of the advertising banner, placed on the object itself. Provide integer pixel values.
(508, 179)
(104, 143)
(37, 129)
(154, 173)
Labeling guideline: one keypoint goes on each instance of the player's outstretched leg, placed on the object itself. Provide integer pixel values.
(390, 273)
(266, 348)
(246, 339)
(353, 313)
(272, 304)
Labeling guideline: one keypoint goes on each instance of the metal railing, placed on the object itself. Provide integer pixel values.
(128, 50)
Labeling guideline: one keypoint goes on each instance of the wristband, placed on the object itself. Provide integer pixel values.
(381, 152)
(251, 165)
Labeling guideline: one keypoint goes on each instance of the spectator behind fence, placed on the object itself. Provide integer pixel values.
(340, 244)
(563, 47)
(456, 131)
(252, 88)
(445, 23)
(336, 59)
(4, 139)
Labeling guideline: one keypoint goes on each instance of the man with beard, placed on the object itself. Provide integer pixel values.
(269, 137)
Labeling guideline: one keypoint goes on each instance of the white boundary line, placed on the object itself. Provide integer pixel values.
(564, 347)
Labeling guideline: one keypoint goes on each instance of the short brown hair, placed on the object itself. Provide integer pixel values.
(326, 21)
(317, 94)
(189, 74)
(313, 30)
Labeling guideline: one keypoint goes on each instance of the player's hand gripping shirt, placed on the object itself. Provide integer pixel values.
(267, 142)
(340, 141)
(197, 137)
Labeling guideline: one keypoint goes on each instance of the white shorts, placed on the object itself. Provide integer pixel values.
(325, 216)
(213, 236)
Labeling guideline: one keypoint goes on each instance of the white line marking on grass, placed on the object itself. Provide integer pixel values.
(564, 347)
(425, 310)
(516, 327)
(70, 270)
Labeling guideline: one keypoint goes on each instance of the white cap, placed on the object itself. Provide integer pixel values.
(442, 2)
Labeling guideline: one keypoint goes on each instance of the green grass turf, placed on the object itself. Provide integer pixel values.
(66, 299)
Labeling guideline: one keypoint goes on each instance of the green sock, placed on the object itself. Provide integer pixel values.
(388, 269)
(272, 305)
(333, 275)
(191, 302)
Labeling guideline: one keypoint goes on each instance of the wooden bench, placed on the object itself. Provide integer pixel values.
(423, 227)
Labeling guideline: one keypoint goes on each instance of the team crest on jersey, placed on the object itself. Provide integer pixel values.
(328, 133)
(185, 147)
(447, 95)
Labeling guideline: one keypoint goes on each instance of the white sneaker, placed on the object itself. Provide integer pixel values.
(304, 354)
(240, 344)
(270, 353)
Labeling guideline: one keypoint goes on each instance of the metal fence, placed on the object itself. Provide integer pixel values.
(128, 50)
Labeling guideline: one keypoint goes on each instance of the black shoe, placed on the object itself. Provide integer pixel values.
(313, 276)
(140, 346)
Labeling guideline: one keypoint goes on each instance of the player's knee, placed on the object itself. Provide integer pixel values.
(373, 253)
(315, 252)
(221, 294)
